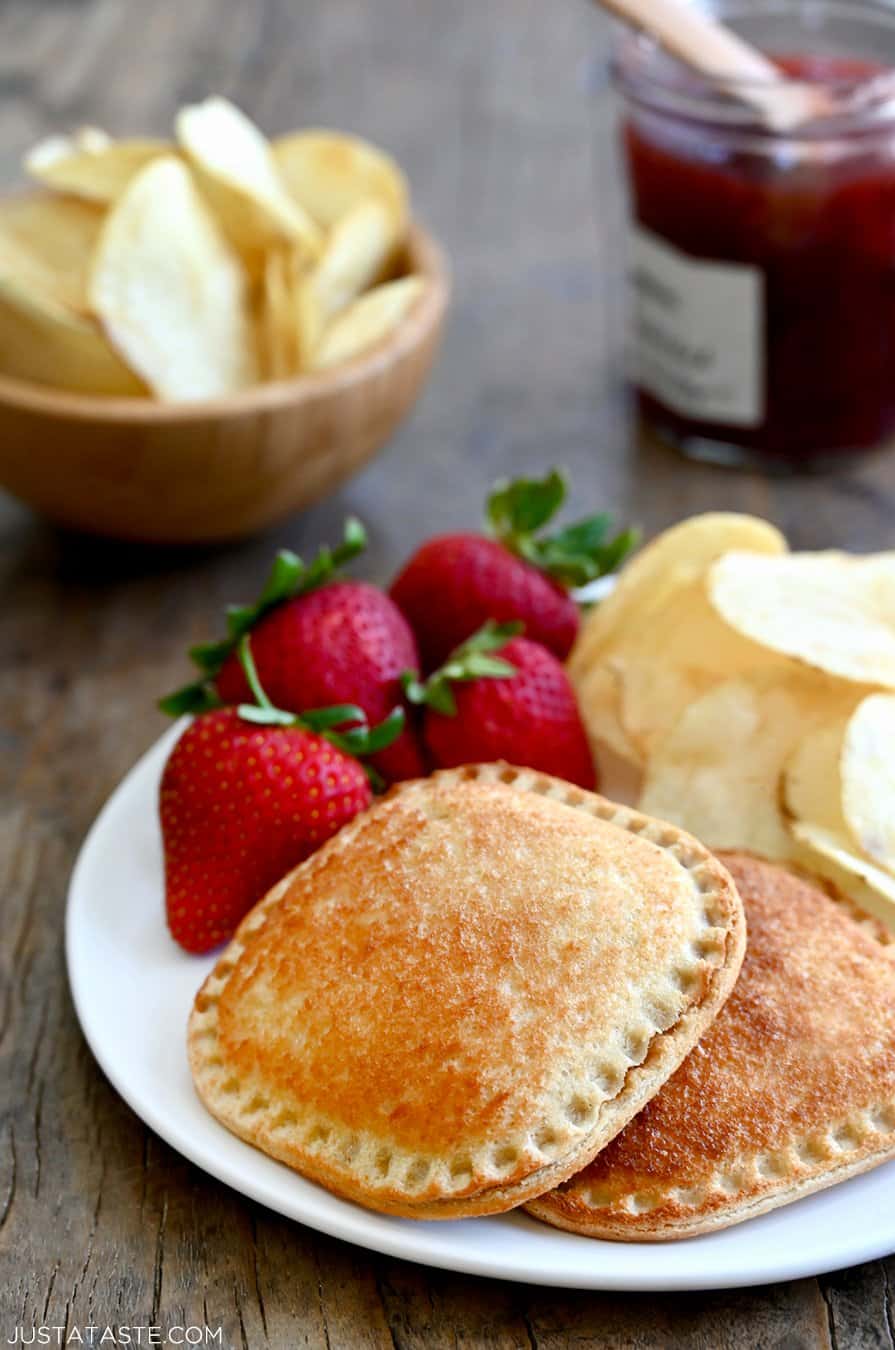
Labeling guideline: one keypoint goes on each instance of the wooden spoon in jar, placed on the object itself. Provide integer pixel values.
(709, 47)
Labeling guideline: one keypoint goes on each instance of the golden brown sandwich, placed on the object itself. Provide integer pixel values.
(465, 994)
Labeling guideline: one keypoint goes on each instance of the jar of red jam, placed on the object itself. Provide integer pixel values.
(762, 262)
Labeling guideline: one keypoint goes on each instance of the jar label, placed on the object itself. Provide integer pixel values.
(698, 332)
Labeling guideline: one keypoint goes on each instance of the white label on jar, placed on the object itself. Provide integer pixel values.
(698, 332)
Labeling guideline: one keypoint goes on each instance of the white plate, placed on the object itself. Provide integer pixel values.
(133, 988)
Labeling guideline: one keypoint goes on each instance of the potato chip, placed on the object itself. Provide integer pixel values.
(279, 321)
(829, 611)
(308, 318)
(357, 253)
(239, 176)
(90, 139)
(46, 341)
(675, 653)
(717, 771)
(658, 634)
(832, 856)
(169, 290)
(598, 693)
(90, 164)
(328, 173)
(695, 544)
(868, 778)
(366, 322)
(811, 782)
(47, 242)
(28, 273)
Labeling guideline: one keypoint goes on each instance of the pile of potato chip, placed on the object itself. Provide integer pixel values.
(747, 688)
(196, 268)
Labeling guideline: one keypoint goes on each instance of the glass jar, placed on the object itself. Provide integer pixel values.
(762, 263)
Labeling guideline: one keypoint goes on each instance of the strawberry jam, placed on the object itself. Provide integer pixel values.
(763, 270)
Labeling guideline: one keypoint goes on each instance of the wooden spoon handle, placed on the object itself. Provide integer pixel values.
(696, 39)
(706, 45)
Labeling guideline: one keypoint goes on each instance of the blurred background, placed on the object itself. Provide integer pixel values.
(501, 114)
(496, 111)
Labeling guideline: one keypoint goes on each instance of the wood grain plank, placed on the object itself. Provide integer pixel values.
(791, 1316)
(858, 1305)
(495, 107)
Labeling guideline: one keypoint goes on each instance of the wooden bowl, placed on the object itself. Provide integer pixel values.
(193, 472)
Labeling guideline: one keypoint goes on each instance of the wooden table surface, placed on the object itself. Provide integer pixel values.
(499, 110)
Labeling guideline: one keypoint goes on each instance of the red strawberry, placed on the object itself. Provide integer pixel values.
(345, 643)
(499, 699)
(316, 642)
(240, 805)
(454, 583)
(248, 793)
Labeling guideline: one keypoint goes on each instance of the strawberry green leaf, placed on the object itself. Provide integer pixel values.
(414, 688)
(526, 504)
(192, 698)
(489, 638)
(324, 719)
(288, 577)
(239, 621)
(353, 740)
(441, 698)
(210, 656)
(328, 561)
(365, 740)
(583, 537)
(386, 732)
(480, 666)
(432, 693)
(572, 556)
(285, 575)
(618, 549)
(472, 660)
(354, 541)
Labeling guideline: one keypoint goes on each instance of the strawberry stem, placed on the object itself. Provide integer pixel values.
(472, 660)
(516, 512)
(248, 711)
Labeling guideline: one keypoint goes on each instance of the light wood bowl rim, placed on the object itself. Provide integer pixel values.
(427, 260)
